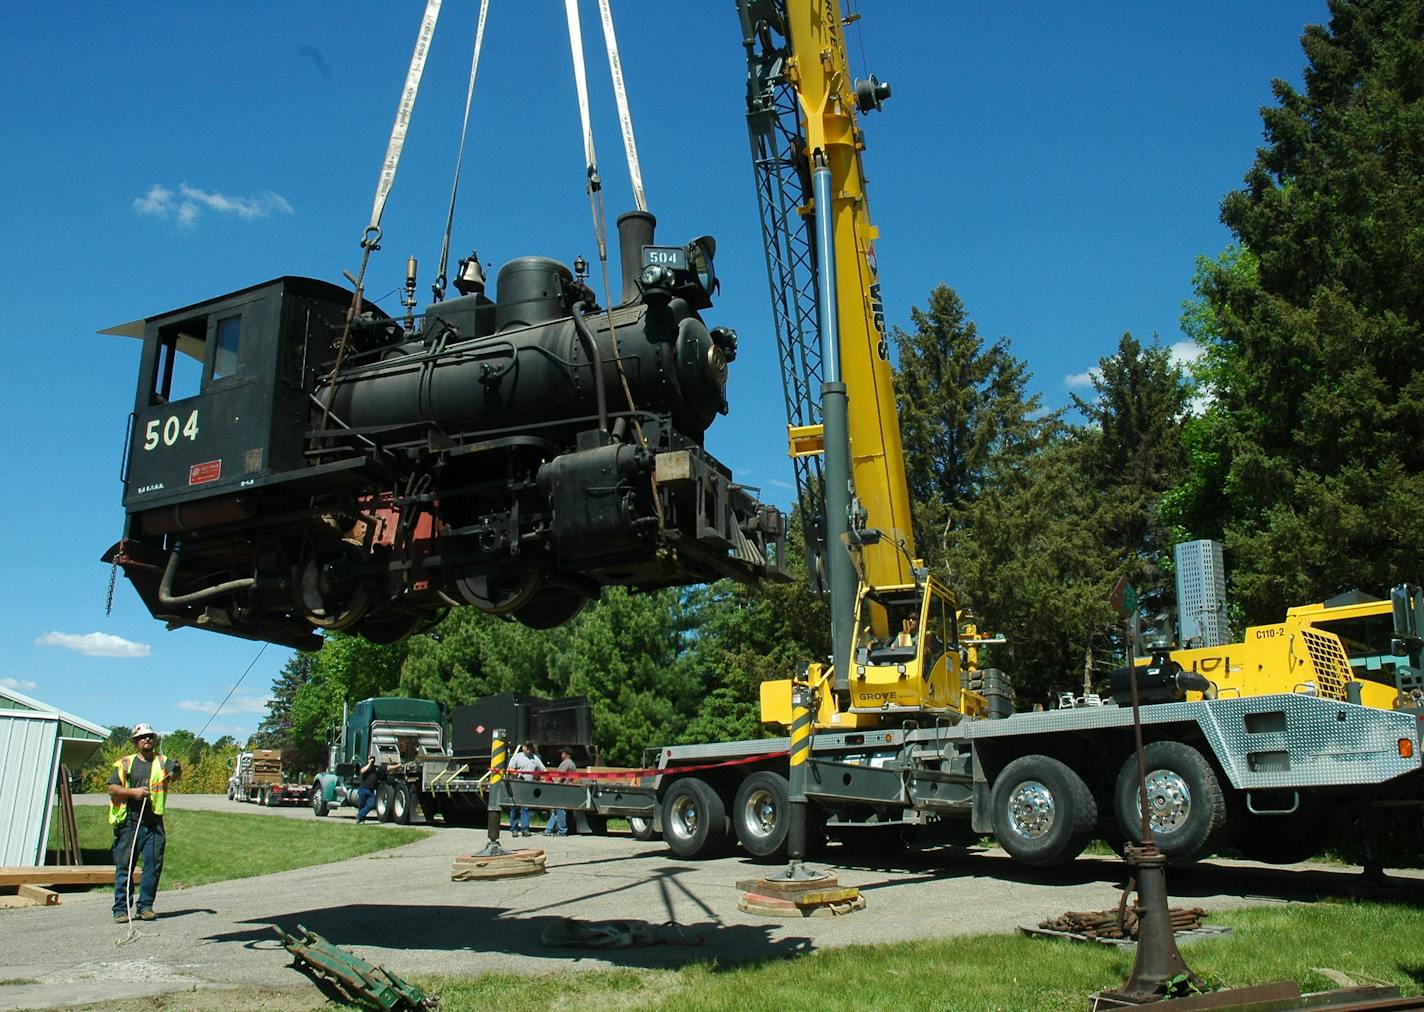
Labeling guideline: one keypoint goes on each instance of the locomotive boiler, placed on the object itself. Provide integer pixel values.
(331, 467)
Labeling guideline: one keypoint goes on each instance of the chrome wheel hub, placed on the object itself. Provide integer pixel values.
(1031, 810)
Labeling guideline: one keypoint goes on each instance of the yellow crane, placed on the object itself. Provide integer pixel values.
(896, 644)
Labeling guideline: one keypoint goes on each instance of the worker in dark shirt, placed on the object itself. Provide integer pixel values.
(138, 796)
(366, 793)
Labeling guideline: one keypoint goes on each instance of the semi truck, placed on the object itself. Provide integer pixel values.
(257, 776)
(908, 733)
(438, 762)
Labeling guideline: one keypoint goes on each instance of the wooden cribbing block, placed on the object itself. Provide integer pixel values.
(41, 896)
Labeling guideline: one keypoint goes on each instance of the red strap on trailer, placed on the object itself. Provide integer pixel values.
(639, 774)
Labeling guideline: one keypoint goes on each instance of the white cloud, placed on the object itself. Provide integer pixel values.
(237, 704)
(22, 684)
(1082, 379)
(189, 202)
(95, 644)
(1184, 353)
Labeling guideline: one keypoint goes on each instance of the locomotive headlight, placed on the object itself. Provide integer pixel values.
(699, 257)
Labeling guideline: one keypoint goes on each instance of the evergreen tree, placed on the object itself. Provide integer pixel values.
(275, 731)
(964, 410)
(1315, 329)
(1134, 453)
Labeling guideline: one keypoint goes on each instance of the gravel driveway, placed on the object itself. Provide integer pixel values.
(399, 908)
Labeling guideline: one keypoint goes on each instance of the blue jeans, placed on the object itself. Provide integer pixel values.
(519, 819)
(149, 850)
(366, 798)
(558, 823)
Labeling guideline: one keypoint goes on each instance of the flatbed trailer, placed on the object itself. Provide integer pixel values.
(1263, 771)
(258, 777)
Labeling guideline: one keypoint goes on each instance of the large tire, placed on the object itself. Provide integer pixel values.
(1183, 795)
(231, 792)
(642, 828)
(385, 795)
(761, 815)
(320, 806)
(400, 803)
(1043, 813)
(695, 823)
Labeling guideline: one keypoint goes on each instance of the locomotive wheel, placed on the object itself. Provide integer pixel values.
(550, 609)
(386, 627)
(333, 595)
(500, 590)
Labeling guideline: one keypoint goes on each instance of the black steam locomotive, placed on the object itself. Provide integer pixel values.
(336, 468)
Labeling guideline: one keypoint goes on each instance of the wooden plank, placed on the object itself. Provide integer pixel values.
(43, 897)
(90, 874)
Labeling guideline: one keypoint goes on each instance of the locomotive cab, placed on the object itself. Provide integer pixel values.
(223, 399)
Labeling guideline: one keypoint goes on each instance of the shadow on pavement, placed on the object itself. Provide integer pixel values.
(490, 929)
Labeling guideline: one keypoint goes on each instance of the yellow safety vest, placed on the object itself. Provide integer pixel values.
(157, 787)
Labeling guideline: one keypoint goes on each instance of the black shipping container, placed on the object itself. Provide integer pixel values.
(551, 724)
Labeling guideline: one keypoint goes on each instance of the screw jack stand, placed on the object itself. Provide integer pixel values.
(1159, 963)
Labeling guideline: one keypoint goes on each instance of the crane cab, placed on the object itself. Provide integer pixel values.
(905, 657)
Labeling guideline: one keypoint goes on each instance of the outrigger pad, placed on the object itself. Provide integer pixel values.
(467, 867)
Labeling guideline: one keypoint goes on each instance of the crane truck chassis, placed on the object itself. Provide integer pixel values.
(1258, 771)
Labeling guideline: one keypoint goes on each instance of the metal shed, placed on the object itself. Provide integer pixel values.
(35, 739)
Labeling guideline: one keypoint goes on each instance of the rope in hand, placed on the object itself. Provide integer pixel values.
(133, 933)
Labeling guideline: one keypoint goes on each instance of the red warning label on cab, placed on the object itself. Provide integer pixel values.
(208, 471)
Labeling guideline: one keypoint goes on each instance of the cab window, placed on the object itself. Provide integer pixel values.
(227, 337)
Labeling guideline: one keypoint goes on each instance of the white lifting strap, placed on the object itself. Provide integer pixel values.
(625, 119)
(460, 158)
(403, 111)
(590, 157)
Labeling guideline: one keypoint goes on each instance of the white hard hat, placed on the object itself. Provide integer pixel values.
(143, 729)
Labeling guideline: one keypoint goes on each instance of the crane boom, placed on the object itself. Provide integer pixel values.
(802, 104)
(896, 625)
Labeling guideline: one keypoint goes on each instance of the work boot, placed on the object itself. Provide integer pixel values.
(148, 915)
(121, 918)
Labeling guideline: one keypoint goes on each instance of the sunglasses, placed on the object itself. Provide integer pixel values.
(145, 737)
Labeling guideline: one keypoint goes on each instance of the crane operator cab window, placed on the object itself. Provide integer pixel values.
(893, 628)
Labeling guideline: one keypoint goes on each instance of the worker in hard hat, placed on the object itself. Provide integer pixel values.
(138, 795)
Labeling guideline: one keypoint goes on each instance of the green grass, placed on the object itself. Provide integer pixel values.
(216, 846)
(1369, 942)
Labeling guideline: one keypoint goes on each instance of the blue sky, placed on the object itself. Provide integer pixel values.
(1060, 166)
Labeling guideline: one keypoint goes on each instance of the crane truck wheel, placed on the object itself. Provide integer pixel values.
(385, 795)
(642, 828)
(761, 815)
(1043, 812)
(231, 792)
(1183, 796)
(320, 806)
(695, 823)
(400, 804)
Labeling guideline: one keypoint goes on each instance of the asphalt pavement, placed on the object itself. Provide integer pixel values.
(398, 908)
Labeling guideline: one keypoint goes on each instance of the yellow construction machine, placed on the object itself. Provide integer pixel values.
(1349, 648)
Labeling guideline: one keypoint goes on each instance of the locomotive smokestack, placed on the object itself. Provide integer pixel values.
(635, 230)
